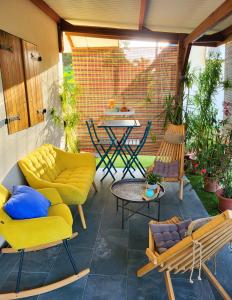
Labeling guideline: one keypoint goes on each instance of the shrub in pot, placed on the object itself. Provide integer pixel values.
(224, 194)
(152, 179)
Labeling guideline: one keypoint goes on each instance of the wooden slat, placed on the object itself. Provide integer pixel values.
(33, 84)
(11, 66)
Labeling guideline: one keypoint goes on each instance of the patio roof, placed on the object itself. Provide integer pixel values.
(186, 23)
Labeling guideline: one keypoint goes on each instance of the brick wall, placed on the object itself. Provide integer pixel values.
(128, 75)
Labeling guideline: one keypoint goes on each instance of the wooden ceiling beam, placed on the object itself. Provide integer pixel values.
(114, 33)
(47, 10)
(143, 7)
(222, 12)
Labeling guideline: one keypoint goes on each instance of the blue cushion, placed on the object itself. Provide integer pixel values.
(26, 203)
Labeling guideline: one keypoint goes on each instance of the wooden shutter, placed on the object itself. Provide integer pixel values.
(11, 66)
(33, 85)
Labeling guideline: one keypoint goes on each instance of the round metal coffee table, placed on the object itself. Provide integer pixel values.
(128, 191)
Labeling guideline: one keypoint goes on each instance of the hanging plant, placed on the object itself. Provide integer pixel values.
(68, 117)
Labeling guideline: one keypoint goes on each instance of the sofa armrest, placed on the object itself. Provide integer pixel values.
(52, 195)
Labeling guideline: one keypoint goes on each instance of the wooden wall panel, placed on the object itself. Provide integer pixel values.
(11, 66)
(33, 85)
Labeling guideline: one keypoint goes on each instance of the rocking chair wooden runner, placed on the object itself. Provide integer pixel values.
(192, 252)
(38, 234)
(172, 149)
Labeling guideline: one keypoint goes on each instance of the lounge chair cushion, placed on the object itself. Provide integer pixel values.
(173, 138)
(167, 235)
(167, 169)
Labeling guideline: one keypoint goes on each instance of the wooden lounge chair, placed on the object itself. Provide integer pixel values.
(192, 252)
(171, 150)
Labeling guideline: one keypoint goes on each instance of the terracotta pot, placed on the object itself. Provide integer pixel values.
(210, 184)
(223, 203)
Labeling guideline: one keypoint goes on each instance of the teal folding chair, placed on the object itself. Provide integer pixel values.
(103, 147)
(134, 147)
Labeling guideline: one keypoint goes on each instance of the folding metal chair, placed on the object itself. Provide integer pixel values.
(137, 144)
(100, 144)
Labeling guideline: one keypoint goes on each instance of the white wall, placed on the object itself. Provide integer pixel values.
(23, 19)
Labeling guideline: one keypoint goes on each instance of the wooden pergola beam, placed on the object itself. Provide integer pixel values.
(222, 12)
(143, 7)
(114, 33)
(47, 10)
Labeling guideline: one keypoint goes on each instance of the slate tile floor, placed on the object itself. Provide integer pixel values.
(114, 255)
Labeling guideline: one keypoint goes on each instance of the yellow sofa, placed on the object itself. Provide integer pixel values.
(38, 234)
(72, 174)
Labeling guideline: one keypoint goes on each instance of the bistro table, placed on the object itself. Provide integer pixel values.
(128, 191)
(120, 150)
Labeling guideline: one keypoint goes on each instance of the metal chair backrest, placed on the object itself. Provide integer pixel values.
(146, 132)
(92, 131)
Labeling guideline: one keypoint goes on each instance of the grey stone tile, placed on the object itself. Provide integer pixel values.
(28, 281)
(39, 261)
(72, 291)
(110, 253)
(138, 233)
(7, 263)
(199, 290)
(63, 269)
(223, 271)
(87, 237)
(149, 287)
(105, 287)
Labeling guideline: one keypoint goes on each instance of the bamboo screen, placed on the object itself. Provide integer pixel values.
(141, 77)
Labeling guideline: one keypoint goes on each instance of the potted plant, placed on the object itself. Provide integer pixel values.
(152, 180)
(224, 194)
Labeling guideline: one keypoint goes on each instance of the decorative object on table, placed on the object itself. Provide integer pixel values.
(152, 180)
(116, 112)
(170, 152)
(111, 104)
(191, 253)
(131, 191)
(72, 174)
(124, 107)
(37, 234)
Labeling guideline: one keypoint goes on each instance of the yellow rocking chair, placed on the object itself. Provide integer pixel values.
(192, 252)
(37, 234)
(172, 149)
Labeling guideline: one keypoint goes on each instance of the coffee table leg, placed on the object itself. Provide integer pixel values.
(117, 204)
